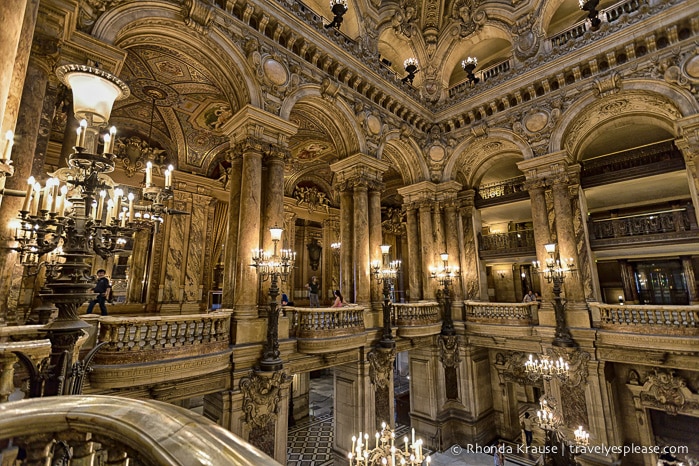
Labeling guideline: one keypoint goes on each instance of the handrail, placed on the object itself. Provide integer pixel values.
(325, 322)
(413, 314)
(503, 313)
(126, 335)
(646, 319)
(147, 432)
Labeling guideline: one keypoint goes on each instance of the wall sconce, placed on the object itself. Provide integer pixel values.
(469, 65)
(501, 274)
(591, 7)
(410, 65)
(339, 8)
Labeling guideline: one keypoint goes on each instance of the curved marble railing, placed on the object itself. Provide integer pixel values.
(116, 430)
(646, 319)
(198, 344)
(502, 313)
(324, 330)
(417, 319)
(149, 336)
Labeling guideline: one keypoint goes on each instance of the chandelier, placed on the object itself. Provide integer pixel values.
(582, 438)
(410, 66)
(546, 418)
(445, 274)
(385, 451)
(545, 368)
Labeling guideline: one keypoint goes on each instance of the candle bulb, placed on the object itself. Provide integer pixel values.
(100, 204)
(110, 211)
(131, 196)
(61, 202)
(149, 174)
(117, 202)
(82, 133)
(9, 136)
(112, 139)
(28, 194)
(36, 194)
(123, 217)
(79, 131)
(107, 144)
(168, 178)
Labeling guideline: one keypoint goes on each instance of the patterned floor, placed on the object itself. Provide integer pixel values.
(310, 442)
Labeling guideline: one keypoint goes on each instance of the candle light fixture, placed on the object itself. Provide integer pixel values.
(386, 272)
(445, 276)
(274, 266)
(387, 450)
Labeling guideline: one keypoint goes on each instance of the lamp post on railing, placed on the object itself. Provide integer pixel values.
(554, 272)
(445, 275)
(273, 267)
(386, 272)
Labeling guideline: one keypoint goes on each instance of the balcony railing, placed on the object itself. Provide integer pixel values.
(501, 192)
(144, 339)
(114, 430)
(609, 15)
(504, 244)
(646, 319)
(484, 75)
(632, 164)
(417, 319)
(325, 330)
(515, 314)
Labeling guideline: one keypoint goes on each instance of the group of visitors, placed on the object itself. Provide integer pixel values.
(313, 287)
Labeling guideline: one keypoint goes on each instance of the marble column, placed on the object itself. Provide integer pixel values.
(452, 243)
(414, 263)
(473, 279)
(689, 277)
(438, 230)
(246, 280)
(272, 208)
(140, 255)
(427, 249)
(375, 242)
(540, 226)
(231, 247)
(289, 240)
(567, 244)
(361, 243)
(346, 226)
(23, 156)
(12, 17)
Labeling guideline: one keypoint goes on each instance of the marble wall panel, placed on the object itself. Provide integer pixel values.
(195, 254)
(174, 256)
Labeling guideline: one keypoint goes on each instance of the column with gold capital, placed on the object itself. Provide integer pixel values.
(252, 132)
(362, 173)
(415, 271)
(230, 248)
(473, 277)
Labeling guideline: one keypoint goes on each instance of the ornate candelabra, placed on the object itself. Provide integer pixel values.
(410, 66)
(555, 271)
(385, 452)
(549, 421)
(592, 14)
(445, 275)
(65, 220)
(339, 8)
(386, 272)
(469, 64)
(273, 267)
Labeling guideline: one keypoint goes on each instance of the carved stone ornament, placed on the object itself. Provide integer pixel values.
(261, 396)
(668, 392)
(311, 197)
(449, 350)
(198, 15)
(577, 360)
(381, 366)
(393, 220)
(511, 367)
(527, 41)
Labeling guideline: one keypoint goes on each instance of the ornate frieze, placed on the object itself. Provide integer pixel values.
(449, 350)
(665, 391)
(381, 366)
(511, 367)
(261, 397)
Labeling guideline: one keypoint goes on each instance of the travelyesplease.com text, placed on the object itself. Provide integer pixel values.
(606, 450)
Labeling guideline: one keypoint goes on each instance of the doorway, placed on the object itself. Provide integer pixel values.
(661, 282)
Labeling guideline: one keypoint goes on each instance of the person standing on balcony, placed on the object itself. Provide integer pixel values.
(529, 297)
(103, 289)
(313, 288)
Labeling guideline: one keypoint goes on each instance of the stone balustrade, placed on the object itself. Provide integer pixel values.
(150, 350)
(114, 430)
(646, 319)
(325, 330)
(149, 336)
(414, 314)
(419, 319)
(515, 314)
